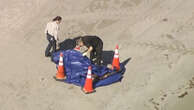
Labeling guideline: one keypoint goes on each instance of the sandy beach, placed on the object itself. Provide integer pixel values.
(156, 35)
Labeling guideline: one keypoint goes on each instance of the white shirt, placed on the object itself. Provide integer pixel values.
(52, 29)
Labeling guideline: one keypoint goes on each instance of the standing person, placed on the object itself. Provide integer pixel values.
(94, 45)
(51, 32)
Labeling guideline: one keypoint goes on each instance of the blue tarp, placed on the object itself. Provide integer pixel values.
(76, 67)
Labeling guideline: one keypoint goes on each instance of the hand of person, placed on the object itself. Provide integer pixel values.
(84, 54)
(57, 45)
(90, 49)
(110, 66)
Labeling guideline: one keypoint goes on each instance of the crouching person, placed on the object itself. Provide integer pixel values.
(94, 45)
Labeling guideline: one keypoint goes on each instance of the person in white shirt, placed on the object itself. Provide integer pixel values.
(51, 32)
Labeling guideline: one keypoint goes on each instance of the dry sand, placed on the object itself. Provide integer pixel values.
(156, 34)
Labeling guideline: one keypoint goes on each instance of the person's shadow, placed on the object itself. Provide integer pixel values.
(107, 57)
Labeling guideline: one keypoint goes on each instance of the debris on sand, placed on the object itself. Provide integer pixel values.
(156, 108)
(183, 94)
(165, 19)
(191, 84)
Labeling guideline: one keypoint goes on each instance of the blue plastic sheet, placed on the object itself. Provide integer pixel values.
(76, 68)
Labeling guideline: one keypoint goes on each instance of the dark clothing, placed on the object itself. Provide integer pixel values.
(67, 44)
(52, 44)
(97, 45)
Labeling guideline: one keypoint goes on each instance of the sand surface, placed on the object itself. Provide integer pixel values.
(156, 35)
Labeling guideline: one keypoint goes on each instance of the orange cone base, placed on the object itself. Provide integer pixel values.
(59, 79)
(88, 92)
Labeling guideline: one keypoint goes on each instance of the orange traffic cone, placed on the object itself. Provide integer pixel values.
(60, 76)
(88, 87)
(115, 62)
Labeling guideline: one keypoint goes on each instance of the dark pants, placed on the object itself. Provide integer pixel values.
(52, 44)
(97, 53)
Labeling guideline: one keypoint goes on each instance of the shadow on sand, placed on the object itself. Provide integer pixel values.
(108, 57)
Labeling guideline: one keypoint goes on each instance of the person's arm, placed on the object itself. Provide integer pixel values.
(88, 51)
(55, 32)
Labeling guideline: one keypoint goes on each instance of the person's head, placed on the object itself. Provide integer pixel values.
(79, 41)
(57, 19)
